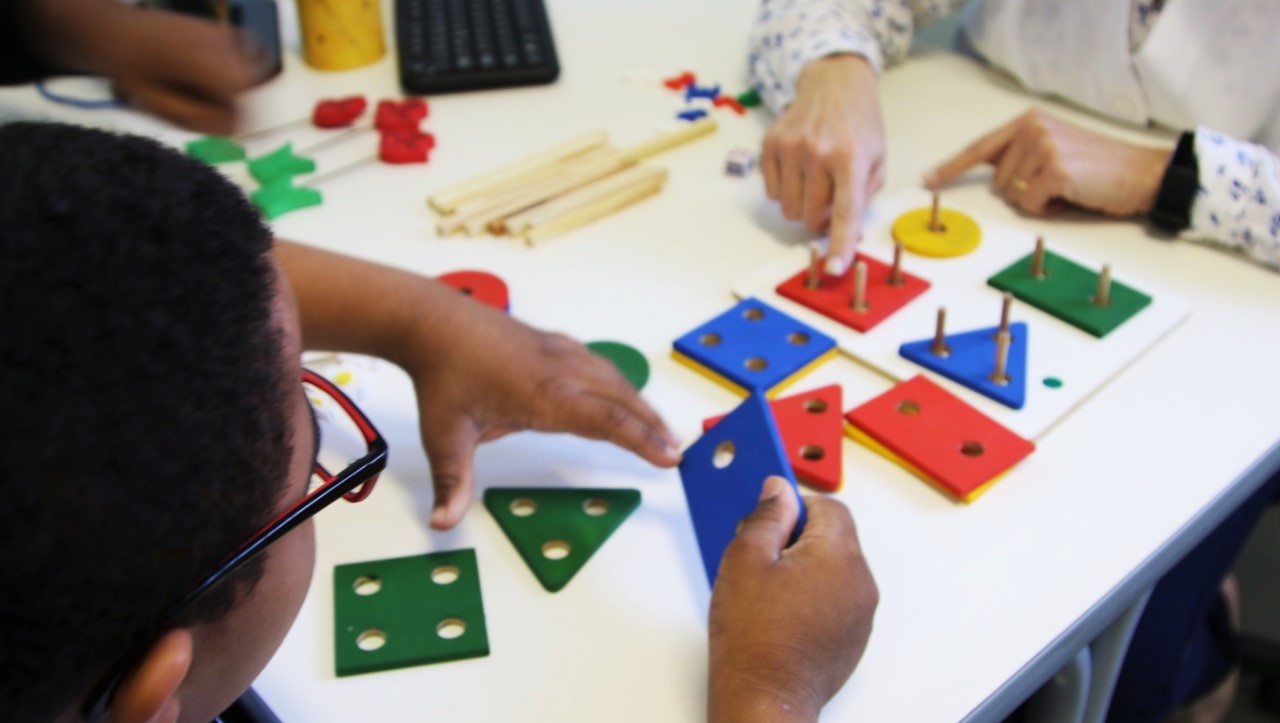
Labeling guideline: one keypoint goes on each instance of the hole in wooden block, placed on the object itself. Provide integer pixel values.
(465, 290)
(753, 314)
(451, 628)
(812, 452)
(523, 507)
(972, 449)
(755, 364)
(371, 639)
(595, 507)
(798, 338)
(709, 339)
(367, 585)
(444, 575)
(815, 406)
(723, 456)
(908, 408)
(555, 550)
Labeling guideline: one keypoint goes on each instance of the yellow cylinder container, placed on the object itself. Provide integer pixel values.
(341, 34)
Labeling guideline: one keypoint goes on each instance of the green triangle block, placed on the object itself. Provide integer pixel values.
(280, 163)
(407, 611)
(215, 149)
(632, 364)
(279, 197)
(749, 99)
(557, 530)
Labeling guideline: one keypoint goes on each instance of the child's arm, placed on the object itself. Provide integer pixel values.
(788, 624)
(478, 373)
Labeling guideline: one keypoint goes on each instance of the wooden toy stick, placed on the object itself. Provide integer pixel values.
(860, 286)
(447, 200)
(592, 211)
(895, 274)
(503, 193)
(940, 347)
(667, 141)
(935, 218)
(1000, 375)
(573, 200)
(1103, 297)
(814, 279)
(1006, 306)
(1037, 259)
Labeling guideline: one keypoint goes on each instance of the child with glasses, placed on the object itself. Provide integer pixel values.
(159, 449)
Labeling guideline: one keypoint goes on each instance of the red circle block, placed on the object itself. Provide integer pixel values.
(481, 286)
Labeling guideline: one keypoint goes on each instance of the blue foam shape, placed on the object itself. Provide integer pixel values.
(709, 92)
(720, 497)
(765, 338)
(972, 359)
(691, 115)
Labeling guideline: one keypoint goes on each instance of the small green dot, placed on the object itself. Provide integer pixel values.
(1052, 382)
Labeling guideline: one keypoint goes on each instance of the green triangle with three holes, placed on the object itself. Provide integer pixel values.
(557, 530)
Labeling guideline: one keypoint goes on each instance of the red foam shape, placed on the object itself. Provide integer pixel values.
(933, 438)
(481, 286)
(835, 294)
(338, 112)
(729, 101)
(402, 115)
(810, 421)
(680, 81)
(405, 147)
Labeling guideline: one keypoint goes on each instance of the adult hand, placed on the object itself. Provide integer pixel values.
(1043, 162)
(788, 624)
(183, 69)
(823, 159)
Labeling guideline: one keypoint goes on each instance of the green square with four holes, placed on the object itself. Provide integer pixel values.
(1066, 291)
(407, 611)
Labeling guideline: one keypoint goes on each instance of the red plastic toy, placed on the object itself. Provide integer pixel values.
(338, 112)
(399, 146)
(834, 294)
(680, 81)
(402, 115)
(723, 101)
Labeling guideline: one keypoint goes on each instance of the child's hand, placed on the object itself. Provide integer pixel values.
(480, 375)
(1043, 161)
(788, 624)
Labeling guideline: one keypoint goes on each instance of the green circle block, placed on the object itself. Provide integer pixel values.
(630, 362)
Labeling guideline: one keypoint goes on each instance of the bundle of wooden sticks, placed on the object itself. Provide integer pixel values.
(559, 189)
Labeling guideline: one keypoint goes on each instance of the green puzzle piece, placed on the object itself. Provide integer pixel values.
(215, 149)
(280, 163)
(750, 98)
(407, 611)
(630, 362)
(1066, 291)
(557, 530)
(279, 197)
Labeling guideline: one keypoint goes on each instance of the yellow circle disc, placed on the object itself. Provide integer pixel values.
(959, 235)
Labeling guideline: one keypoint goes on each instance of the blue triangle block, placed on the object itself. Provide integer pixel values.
(973, 358)
(724, 471)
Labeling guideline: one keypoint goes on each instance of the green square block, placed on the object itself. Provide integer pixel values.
(215, 149)
(1067, 290)
(412, 605)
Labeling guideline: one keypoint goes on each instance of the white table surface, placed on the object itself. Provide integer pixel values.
(977, 602)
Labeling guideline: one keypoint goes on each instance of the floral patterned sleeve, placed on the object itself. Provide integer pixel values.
(1238, 202)
(790, 33)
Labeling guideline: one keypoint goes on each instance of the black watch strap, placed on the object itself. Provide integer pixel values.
(1172, 211)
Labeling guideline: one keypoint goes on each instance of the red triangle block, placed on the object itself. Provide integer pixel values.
(339, 112)
(481, 286)
(812, 431)
(939, 437)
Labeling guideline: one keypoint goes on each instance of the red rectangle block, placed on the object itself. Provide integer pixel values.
(834, 295)
(954, 445)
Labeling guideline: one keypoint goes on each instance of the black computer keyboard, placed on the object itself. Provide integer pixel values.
(451, 45)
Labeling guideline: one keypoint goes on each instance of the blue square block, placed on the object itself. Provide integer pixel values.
(753, 346)
(724, 472)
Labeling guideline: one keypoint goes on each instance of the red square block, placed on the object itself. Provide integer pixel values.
(834, 295)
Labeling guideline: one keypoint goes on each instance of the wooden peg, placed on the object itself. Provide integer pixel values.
(1006, 306)
(895, 274)
(814, 279)
(1001, 375)
(1103, 296)
(940, 347)
(860, 287)
(935, 218)
(1037, 259)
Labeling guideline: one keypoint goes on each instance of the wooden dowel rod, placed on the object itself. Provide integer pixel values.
(860, 287)
(447, 200)
(940, 347)
(1103, 297)
(592, 211)
(814, 279)
(589, 193)
(667, 141)
(1001, 375)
